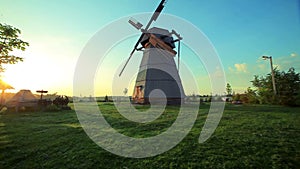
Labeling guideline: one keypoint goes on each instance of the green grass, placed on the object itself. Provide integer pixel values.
(248, 136)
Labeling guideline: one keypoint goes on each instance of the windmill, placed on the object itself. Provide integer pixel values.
(158, 68)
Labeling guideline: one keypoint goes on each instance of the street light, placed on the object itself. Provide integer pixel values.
(272, 71)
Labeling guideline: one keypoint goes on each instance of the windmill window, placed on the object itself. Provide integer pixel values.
(141, 87)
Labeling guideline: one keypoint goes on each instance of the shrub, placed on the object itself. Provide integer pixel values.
(52, 107)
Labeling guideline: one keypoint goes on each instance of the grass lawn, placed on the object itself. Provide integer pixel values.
(248, 136)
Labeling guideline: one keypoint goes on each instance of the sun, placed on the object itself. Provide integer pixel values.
(18, 76)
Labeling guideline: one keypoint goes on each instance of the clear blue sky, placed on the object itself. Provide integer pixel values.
(241, 31)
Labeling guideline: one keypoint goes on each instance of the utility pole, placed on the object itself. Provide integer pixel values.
(272, 72)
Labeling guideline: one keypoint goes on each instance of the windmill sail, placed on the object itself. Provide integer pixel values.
(153, 18)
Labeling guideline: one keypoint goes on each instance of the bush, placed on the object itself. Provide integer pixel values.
(52, 107)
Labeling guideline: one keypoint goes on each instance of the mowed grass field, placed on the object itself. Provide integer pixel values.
(248, 136)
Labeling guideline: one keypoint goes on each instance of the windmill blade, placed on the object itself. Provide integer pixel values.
(153, 18)
(126, 63)
(178, 62)
(156, 13)
(135, 46)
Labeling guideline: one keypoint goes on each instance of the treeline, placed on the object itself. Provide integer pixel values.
(287, 89)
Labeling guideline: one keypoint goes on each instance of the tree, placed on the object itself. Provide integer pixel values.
(237, 97)
(264, 89)
(288, 87)
(9, 40)
(251, 96)
(228, 89)
(287, 84)
(106, 99)
(125, 91)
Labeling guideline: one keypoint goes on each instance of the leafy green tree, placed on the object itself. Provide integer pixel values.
(9, 40)
(228, 89)
(264, 89)
(287, 84)
(251, 96)
(289, 87)
(237, 97)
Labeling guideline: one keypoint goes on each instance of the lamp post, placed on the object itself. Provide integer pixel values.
(272, 71)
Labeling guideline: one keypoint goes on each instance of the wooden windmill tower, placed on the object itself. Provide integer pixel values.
(158, 68)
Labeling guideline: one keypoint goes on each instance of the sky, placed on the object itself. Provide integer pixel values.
(241, 32)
